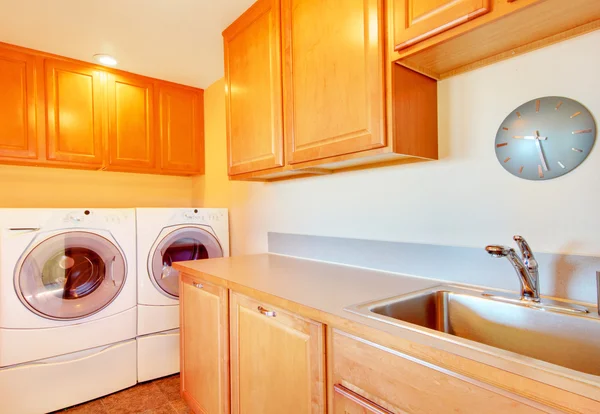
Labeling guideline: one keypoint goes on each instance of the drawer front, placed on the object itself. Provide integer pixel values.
(402, 384)
(417, 20)
(348, 402)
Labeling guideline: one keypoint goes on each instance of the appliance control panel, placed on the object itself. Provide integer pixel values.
(203, 216)
(87, 217)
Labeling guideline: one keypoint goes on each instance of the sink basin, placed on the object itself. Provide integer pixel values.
(570, 340)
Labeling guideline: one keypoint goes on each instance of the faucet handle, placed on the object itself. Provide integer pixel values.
(528, 257)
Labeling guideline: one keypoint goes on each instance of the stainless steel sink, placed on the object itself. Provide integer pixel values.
(548, 333)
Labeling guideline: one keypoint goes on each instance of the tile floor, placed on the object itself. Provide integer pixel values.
(155, 397)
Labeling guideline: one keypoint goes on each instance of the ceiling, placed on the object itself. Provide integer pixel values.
(175, 40)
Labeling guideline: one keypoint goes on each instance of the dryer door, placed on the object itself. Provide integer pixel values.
(184, 243)
(70, 275)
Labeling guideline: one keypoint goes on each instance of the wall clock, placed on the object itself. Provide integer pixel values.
(545, 138)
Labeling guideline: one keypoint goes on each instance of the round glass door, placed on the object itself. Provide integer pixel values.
(70, 275)
(185, 243)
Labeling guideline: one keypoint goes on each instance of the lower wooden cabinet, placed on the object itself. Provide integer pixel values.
(390, 381)
(204, 346)
(244, 356)
(348, 402)
(277, 360)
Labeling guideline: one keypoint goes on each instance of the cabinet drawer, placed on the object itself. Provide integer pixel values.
(403, 384)
(348, 402)
(417, 20)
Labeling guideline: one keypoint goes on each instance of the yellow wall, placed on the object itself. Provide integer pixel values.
(50, 187)
(247, 224)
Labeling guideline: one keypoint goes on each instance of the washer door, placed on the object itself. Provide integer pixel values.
(70, 275)
(184, 243)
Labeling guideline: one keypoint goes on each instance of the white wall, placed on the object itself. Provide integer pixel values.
(465, 199)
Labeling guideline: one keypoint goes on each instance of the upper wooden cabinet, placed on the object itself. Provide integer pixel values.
(131, 134)
(253, 89)
(74, 101)
(18, 122)
(181, 125)
(442, 38)
(333, 73)
(59, 112)
(340, 98)
(204, 346)
(416, 20)
(277, 360)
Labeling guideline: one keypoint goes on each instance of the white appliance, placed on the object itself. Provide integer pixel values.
(67, 306)
(165, 236)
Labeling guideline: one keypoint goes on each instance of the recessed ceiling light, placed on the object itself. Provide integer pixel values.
(106, 60)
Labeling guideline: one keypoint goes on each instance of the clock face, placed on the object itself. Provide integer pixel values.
(545, 138)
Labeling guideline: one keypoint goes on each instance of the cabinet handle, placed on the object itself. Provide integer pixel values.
(198, 285)
(266, 312)
(360, 400)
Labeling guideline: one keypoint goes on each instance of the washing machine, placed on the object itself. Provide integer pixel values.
(165, 236)
(67, 306)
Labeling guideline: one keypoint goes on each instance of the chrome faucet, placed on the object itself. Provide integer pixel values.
(526, 268)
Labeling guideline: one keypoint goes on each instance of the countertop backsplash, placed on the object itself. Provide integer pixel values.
(563, 276)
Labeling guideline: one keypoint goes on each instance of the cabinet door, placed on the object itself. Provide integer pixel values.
(417, 20)
(253, 89)
(276, 360)
(333, 77)
(204, 346)
(18, 135)
(131, 137)
(74, 102)
(348, 402)
(181, 124)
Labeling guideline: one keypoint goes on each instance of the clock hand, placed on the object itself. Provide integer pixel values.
(538, 144)
(530, 137)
